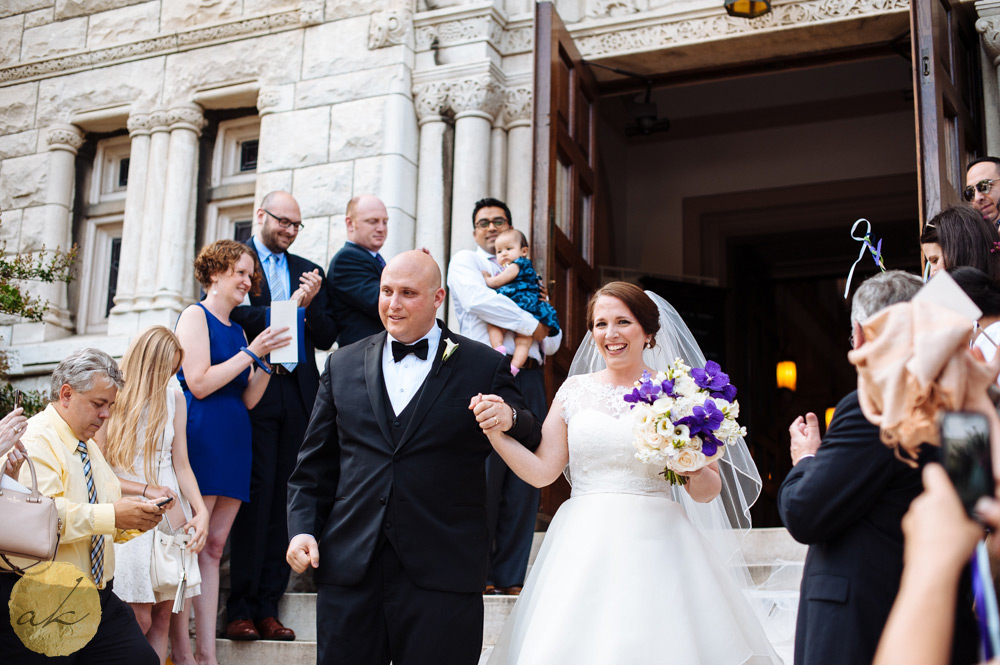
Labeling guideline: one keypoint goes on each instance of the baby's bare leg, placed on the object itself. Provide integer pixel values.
(522, 344)
(496, 335)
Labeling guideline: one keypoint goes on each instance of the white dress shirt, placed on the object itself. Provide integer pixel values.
(404, 378)
(476, 304)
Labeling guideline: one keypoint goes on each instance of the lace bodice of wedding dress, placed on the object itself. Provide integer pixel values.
(601, 455)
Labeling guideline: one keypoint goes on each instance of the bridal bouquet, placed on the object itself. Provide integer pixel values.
(683, 417)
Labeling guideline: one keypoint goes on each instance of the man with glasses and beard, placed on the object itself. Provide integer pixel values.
(982, 188)
(511, 503)
(259, 572)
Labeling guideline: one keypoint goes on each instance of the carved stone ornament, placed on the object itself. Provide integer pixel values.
(517, 106)
(310, 13)
(678, 31)
(64, 137)
(389, 28)
(430, 100)
(989, 29)
(187, 116)
(267, 100)
(450, 33)
(603, 8)
(139, 123)
(479, 93)
(158, 120)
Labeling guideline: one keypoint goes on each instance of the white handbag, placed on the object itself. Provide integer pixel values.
(173, 567)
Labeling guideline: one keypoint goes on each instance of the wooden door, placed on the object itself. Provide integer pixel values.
(564, 188)
(948, 99)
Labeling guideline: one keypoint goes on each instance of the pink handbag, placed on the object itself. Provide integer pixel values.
(29, 526)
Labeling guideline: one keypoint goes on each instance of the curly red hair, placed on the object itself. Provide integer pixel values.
(220, 257)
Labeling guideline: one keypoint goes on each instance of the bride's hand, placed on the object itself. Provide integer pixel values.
(493, 415)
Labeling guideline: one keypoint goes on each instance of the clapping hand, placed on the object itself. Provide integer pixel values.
(804, 435)
(309, 283)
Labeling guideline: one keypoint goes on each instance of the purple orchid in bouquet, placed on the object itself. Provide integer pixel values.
(683, 418)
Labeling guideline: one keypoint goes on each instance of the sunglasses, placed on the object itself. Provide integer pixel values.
(983, 187)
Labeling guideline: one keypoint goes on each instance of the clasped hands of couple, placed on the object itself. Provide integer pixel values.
(494, 417)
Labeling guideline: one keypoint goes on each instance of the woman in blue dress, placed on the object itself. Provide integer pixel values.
(222, 377)
(519, 282)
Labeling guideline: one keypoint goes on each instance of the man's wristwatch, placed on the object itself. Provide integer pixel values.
(513, 418)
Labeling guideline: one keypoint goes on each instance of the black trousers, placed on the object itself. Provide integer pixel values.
(511, 503)
(259, 537)
(388, 617)
(118, 640)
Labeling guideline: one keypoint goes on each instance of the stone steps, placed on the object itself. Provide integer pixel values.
(771, 555)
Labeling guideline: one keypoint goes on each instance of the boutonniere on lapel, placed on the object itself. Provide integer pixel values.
(449, 349)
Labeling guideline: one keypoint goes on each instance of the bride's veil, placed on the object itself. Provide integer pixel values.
(725, 520)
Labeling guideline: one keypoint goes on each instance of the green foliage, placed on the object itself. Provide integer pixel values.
(33, 401)
(43, 266)
(47, 267)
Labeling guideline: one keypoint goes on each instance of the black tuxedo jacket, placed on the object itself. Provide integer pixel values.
(351, 483)
(847, 503)
(321, 330)
(353, 283)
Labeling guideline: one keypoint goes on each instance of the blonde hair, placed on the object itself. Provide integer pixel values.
(152, 358)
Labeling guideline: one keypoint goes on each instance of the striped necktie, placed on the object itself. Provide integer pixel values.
(277, 286)
(96, 542)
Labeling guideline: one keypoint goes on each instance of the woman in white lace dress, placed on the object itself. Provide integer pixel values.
(623, 576)
(147, 446)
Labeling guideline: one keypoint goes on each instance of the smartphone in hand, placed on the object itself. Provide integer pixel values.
(164, 501)
(18, 399)
(966, 455)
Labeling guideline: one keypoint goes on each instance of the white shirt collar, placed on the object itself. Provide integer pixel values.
(433, 338)
(364, 248)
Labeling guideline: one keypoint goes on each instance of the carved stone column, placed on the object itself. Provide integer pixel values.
(475, 102)
(432, 163)
(517, 114)
(139, 125)
(180, 194)
(498, 161)
(57, 232)
(988, 27)
(152, 211)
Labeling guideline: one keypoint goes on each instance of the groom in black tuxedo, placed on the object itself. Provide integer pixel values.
(388, 498)
(845, 498)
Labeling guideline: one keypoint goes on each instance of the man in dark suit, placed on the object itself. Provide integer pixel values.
(845, 497)
(258, 570)
(356, 269)
(390, 482)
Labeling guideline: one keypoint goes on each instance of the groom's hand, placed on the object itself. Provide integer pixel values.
(492, 414)
(303, 551)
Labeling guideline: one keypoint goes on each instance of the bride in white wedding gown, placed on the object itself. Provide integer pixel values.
(624, 575)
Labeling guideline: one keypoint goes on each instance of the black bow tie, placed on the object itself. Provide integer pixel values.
(400, 350)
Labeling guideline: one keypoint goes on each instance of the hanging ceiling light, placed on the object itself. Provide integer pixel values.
(748, 8)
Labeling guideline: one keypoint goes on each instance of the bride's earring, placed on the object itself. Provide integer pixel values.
(649, 343)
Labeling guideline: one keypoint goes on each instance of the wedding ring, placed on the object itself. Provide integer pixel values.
(496, 421)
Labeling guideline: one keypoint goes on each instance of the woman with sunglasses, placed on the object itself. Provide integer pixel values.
(959, 236)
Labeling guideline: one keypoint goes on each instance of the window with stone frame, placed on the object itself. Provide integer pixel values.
(232, 177)
(99, 232)
(234, 156)
(101, 248)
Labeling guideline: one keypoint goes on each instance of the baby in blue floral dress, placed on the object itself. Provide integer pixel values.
(519, 282)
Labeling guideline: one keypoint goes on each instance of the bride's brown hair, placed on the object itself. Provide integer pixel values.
(642, 307)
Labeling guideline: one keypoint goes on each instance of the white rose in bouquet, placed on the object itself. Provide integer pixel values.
(688, 461)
